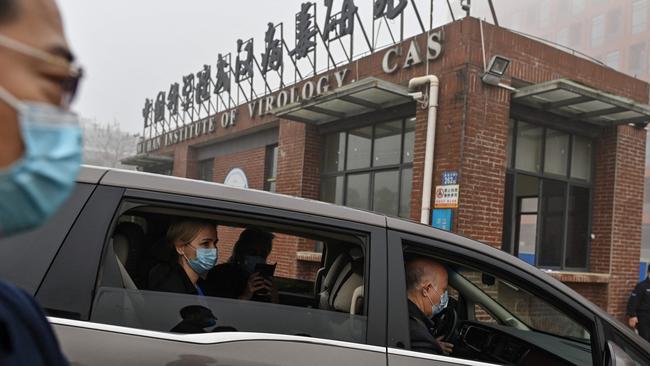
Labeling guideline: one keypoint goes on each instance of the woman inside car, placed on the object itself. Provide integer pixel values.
(193, 244)
(242, 276)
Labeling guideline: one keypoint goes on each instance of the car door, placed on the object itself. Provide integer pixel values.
(522, 317)
(99, 319)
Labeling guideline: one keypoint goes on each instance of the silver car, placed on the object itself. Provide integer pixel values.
(339, 281)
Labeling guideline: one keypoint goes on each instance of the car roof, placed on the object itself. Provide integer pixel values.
(176, 185)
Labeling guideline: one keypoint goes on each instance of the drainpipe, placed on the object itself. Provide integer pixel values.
(427, 182)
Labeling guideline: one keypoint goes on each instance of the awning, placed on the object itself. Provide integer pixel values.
(363, 96)
(148, 160)
(581, 103)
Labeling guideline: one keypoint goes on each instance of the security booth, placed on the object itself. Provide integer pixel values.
(539, 153)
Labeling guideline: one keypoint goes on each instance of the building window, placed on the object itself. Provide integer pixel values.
(637, 61)
(613, 60)
(370, 167)
(598, 31)
(639, 16)
(270, 168)
(206, 170)
(548, 196)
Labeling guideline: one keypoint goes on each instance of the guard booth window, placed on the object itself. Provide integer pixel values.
(371, 167)
(547, 212)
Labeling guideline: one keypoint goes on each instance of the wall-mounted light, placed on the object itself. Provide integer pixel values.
(496, 70)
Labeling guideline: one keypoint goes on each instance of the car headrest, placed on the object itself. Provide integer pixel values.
(349, 279)
(121, 247)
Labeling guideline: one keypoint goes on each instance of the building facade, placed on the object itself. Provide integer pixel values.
(549, 168)
(617, 33)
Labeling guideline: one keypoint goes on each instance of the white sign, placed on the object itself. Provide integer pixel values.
(447, 196)
(236, 178)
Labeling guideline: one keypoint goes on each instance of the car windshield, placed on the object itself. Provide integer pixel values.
(522, 306)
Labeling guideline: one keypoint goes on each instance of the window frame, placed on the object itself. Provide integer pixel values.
(205, 166)
(425, 241)
(371, 170)
(374, 250)
(270, 167)
(541, 175)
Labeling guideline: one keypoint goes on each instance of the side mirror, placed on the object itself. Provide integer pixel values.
(487, 280)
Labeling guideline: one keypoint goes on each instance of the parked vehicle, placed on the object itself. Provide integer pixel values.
(340, 277)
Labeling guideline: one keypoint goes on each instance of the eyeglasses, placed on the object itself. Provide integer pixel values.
(72, 72)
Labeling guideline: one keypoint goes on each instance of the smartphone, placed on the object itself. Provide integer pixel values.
(265, 270)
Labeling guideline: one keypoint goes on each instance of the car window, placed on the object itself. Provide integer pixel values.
(536, 313)
(25, 257)
(487, 318)
(315, 276)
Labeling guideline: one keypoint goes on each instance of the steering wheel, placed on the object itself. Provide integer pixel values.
(446, 323)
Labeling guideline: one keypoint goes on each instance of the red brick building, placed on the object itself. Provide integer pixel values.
(549, 167)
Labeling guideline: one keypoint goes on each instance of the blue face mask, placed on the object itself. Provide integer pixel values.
(36, 185)
(250, 261)
(205, 260)
(444, 300)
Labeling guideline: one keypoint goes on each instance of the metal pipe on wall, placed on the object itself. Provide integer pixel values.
(427, 181)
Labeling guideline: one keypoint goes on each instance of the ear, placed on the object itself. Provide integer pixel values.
(179, 248)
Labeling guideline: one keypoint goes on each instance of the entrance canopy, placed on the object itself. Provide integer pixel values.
(581, 103)
(363, 96)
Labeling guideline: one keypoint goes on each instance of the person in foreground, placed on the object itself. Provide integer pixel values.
(426, 287)
(40, 156)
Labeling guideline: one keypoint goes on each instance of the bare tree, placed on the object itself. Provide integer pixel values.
(106, 144)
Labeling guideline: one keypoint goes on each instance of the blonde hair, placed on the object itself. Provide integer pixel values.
(186, 230)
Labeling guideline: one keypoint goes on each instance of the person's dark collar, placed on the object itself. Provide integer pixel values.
(187, 283)
(416, 312)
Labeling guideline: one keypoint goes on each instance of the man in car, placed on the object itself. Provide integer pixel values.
(638, 308)
(40, 155)
(426, 287)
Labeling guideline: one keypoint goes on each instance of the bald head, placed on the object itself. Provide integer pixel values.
(422, 271)
(426, 281)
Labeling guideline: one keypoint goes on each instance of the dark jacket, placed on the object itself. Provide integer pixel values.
(639, 301)
(421, 331)
(226, 280)
(171, 277)
(26, 337)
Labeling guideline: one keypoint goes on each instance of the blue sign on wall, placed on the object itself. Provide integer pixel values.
(442, 219)
(449, 178)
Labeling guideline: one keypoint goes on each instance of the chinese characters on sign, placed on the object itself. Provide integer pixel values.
(306, 32)
(341, 24)
(223, 75)
(272, 58)
(447, 196)
(388, 8)
(209, 94)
